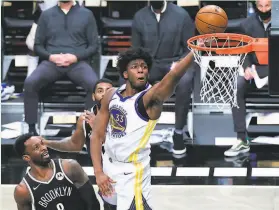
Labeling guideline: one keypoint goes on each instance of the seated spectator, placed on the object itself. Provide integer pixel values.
(256, 26)
(153, 28)
(66, 39)
(33, 59)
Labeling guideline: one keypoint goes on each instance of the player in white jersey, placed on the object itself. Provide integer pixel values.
(130, 113)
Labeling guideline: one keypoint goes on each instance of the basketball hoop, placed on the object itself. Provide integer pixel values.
(220, 57)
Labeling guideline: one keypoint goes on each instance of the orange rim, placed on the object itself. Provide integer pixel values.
(250, 44)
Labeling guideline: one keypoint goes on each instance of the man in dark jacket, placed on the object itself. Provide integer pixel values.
(255, 26)
(66, 39)
(164, 29)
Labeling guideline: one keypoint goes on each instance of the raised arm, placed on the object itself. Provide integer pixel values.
(80, 179)
(22, 197)
(73, 143)
(154, 98)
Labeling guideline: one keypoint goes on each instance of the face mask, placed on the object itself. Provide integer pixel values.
(264, 15)
(157, 4)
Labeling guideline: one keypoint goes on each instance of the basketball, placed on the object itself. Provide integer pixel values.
(211, 19)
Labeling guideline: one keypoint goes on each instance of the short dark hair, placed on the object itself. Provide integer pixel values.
(103, 80)
(19, 143)
(132, 54)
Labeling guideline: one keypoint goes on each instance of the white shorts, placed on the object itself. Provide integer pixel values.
(133, 184)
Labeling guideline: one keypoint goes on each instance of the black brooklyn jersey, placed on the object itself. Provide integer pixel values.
(59, 193)
(88, 130)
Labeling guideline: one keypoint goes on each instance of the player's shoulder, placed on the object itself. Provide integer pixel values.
(112, 90)
(109, 94)
(21, 187)
(107, 98)
(68, 165)
(21, 192)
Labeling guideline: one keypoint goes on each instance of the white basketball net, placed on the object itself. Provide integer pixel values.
(219, 73)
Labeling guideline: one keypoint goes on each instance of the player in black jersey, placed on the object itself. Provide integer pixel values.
(51, 184)
(85, 123)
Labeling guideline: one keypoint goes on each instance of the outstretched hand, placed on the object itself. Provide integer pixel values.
(104, 183)
(80, 121)
(89, 118)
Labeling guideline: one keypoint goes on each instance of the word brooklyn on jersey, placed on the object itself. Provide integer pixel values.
(54, 194)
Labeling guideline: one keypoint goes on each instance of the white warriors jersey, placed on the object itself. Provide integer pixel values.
(128, 133)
